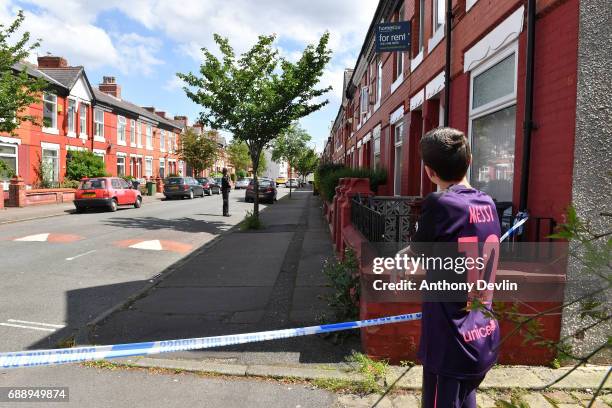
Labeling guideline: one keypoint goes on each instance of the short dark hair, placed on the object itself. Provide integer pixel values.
(447, 152)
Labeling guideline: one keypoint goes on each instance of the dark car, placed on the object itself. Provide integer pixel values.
(182, 187)
(106, 192)
(209, 185)
(267, 191)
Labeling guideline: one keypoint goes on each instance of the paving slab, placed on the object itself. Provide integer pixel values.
(511, 377)
(536, 400)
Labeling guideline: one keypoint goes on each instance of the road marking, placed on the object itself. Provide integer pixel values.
(80, 255)
(153, 245)
(34, 238)
(58, 326)
(27, 327)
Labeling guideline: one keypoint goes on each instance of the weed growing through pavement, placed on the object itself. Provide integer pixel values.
(250, 222)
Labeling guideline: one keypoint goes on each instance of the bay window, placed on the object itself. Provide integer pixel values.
(398, 130)
(72, 112)
(120, 166)
(83, 119)
(493, 124)
(8, 155)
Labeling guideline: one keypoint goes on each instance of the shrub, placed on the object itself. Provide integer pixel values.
(233, 177)
(250, 222)
(241, 174)
(84, 163)
(67, 183)
(329, 181)
(344, 278)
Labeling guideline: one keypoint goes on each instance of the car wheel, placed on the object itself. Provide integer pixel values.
(79, 209)
(190, 194)
(138, 202)
(113, 205)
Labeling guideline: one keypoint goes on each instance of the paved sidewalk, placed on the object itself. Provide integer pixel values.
(33, 212)
(243, 282)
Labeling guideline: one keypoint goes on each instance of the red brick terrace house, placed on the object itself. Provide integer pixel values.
(512, 88)
(131, 139)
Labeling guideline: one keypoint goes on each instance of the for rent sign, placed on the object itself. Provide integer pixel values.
(393, 36)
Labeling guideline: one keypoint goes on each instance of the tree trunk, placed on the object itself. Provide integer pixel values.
(255, 154)
(289, 181)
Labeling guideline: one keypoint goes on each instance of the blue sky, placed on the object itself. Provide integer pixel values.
(143, 43)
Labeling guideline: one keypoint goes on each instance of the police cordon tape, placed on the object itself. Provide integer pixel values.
(93, 353)
(81, 354)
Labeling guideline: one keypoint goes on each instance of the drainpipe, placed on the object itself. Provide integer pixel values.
(447, 65)
(528, 114)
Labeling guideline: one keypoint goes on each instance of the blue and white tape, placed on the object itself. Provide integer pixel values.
(522, 218)
(81, 354)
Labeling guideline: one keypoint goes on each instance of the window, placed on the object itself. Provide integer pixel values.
(421, 25)
(398, 137)
(8, 154)
(99, 123)
(148, 166)
(133, 133)
(121, 130)
(493, 125)
(139, 134)
(364, 100)
(49, 110)
(99, 153)
(162, 141)
(376, 147)
(120, 166)
(162, 168)
(83, 119)
(439, 9)
(50, 160)
(149, 137)
(379, 82)
(399, 56)
(72, 111)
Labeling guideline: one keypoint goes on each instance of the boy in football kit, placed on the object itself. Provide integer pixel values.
(458, 344)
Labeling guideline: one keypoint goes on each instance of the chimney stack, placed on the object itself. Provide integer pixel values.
(183, 119)
(52, 61)
(109, 86)
(149, 108)
(161, 113)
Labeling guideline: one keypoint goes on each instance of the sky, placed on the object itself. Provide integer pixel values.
(143, 43)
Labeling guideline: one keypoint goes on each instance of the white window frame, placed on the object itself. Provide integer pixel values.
(53, 128)
(363, 101)
(438, 26)
(148, 164)
(121, 125)
(139, 134)
(72, 116)
(97, 136)
(52, 147)
(149, 137)
(132, 133)
(5, 184)
(83, 118)
(376, 133)
(498, 104)
(100, 153)
(122, 156)
(378, 84)
(162, 165)
(162, 140)
(397, 144)
(417, 59)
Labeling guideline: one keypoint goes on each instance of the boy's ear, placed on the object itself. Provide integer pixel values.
(430, 173)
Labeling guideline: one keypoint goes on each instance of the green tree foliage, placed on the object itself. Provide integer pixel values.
(5, 170)
(263, 165)
(307, 162)
(238, 155)
(257, 95)
(289, 145)
(81, 164)
(200, 151)
(18, 90)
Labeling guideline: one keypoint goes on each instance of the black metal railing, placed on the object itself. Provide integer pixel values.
(531, 242)
(396, 216)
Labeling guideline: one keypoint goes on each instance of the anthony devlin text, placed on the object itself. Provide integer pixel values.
(504, 285)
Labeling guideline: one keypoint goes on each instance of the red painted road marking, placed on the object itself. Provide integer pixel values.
(154, 245)
(47, 237)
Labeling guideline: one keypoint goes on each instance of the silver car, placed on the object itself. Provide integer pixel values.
(242, 183)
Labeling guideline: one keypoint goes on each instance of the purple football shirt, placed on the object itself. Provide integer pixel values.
(456, 342)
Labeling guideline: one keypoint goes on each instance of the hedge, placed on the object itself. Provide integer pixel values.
(330, 179)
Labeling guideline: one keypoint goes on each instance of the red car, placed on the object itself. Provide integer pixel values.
(107, 192)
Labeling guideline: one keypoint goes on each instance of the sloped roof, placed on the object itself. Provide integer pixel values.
(110, 100)
(35, 72)
(67, 76)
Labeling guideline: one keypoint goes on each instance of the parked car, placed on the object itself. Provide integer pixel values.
(281, 180)
(219, 182)
(106, 192)
(182, 187)
(242, 183)
(293, 183)
(209, 185)
(267, 191)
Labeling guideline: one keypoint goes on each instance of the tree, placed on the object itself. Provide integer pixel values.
(258, 95)
(307, 163)
(263, 165)
(82, 164)
(238, 155)
(18, 90)
(199, 151)
(289, 145)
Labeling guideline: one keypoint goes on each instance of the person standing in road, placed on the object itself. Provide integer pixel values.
(225, 189)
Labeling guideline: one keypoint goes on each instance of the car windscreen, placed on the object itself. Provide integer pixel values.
(265, 183)
(93, 184)
(175, 180)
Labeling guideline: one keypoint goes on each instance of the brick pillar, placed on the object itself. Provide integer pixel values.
(336, 231)
(2, 199)
(351, 187)
(17, 195)
(159, 184)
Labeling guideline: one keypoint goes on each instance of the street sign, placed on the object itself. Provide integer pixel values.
(393, 36)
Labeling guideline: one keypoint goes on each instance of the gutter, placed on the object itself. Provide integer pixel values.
(528, 124)
(447, 65)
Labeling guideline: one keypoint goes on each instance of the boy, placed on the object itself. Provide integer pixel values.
(458, 346)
